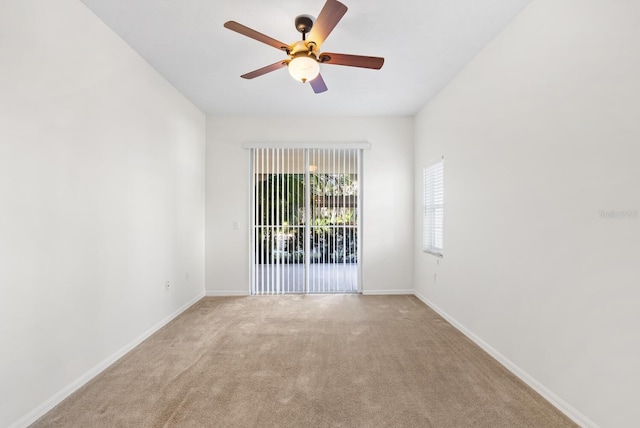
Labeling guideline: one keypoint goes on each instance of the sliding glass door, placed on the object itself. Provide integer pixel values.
(306, 220)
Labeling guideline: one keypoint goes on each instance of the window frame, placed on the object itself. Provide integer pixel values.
(433, 208)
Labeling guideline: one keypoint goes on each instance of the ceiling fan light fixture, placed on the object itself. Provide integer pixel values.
(304, 68)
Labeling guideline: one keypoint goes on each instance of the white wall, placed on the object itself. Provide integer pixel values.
(540, 133)
(387, 194)
(101, 201)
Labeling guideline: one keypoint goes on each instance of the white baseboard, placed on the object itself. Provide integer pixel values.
(57, 398)
(386, 292)
(556, 401)
(226, 293)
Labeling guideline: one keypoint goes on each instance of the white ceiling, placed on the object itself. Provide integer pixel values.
(425, 43)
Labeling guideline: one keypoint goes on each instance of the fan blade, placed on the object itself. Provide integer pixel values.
(318, 84)
(374, 62)
(264, 70)
(330, 15)
(246, 31)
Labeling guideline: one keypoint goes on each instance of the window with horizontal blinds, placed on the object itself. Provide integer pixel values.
(433, 208)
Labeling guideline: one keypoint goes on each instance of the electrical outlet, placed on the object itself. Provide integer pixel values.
(167, 286)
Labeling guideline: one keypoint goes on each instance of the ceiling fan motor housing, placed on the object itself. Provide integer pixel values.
(305, 47)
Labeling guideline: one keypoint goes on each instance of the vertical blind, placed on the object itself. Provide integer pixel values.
(305, 205)
(433, 205)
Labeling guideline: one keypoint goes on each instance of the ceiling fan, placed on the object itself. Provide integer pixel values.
(304, 55)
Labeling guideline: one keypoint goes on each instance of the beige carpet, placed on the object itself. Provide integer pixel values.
(306, 361)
